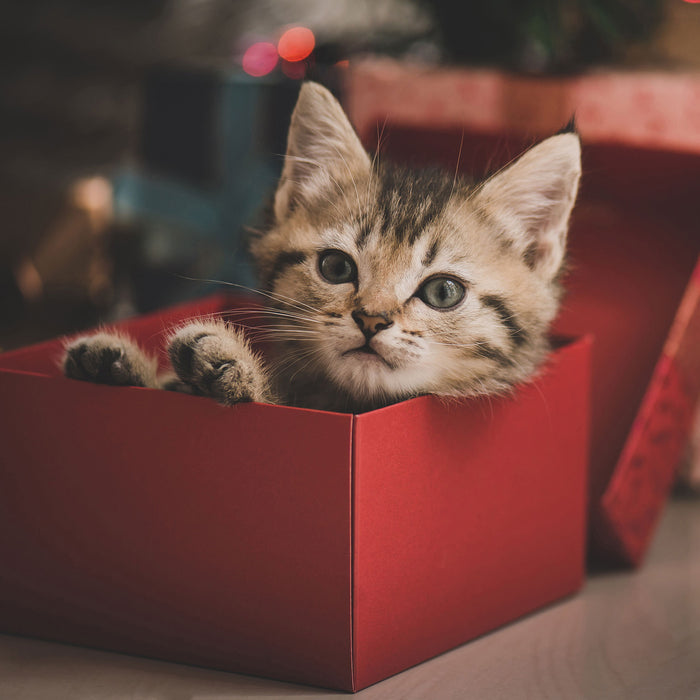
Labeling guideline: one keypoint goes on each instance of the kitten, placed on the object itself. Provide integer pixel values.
(384, 284)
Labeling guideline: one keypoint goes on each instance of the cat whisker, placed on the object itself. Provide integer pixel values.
(248, 312)
(281, 324)
(480, 186)
(455, 345)
(459, 156)
(291, 359)
(168, 330)
(292, 323)
(282, 339)
(291, 301)
(278, 332)
(272, 341)
(352, 177)
(283, 333)
(267, 310)
(373, 174)
(253, 230)
(273, 313)
(303, 367)
(295, 303)
(288, 332)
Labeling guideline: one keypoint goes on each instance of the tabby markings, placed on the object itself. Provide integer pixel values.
(430, 254)
(508, 319)
(283, 261)
(484, 349)
(399, 212)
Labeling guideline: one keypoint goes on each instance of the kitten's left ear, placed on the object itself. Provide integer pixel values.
(323, 150)
(533, 199)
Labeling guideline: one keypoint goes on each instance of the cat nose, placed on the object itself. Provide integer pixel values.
(371, 325)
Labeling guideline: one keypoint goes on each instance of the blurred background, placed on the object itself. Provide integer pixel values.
(141, 140)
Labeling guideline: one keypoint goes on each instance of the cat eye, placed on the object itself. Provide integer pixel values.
(336, 267)
(441, 292)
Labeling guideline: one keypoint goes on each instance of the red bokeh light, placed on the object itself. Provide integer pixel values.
(260, 59)
(296, 44)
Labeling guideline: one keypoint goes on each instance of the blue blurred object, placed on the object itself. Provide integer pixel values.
(210, 154)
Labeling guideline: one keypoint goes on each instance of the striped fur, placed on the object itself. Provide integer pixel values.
(503, 239)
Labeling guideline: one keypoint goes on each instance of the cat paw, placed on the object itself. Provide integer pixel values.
(105, 358)
(215, 360)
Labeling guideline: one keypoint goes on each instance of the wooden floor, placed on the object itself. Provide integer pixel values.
(627, 635)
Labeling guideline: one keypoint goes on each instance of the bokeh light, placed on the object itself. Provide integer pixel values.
(296, 44)
(260, 59)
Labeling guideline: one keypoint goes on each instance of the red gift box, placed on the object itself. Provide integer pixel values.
(634, 246)
(324, 548)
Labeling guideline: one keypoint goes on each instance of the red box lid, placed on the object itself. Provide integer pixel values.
(633, 244)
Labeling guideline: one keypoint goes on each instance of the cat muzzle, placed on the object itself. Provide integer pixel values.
(367, 349)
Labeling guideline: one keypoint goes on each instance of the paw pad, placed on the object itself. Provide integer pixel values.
(214, 360)
(108, 359)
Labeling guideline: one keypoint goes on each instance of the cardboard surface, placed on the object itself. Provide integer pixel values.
(166, 525)
(470, 515)
(316, 547)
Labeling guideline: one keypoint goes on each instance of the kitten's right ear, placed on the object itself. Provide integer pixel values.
(323, 150)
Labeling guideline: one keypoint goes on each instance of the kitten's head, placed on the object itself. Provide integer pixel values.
(398, 283)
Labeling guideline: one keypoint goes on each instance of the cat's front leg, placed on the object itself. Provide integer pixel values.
(214, 359)
(109, 358)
